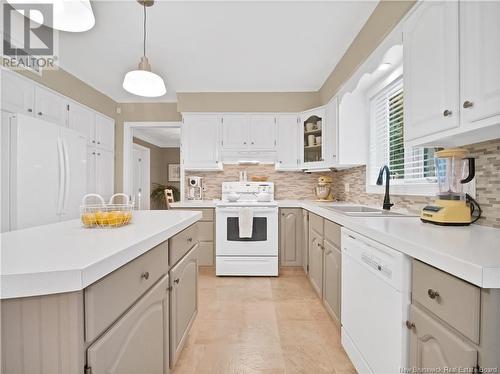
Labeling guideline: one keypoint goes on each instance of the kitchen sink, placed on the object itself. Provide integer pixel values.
(364, 211)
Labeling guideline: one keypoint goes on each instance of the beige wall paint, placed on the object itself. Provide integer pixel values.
(247, 101)
(384, 18)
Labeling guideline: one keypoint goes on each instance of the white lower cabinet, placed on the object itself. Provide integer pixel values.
(290, 237)
(138, 342)
(183, 301)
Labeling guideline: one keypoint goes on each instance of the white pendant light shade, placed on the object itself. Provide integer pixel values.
(68, 15)
(143, 82)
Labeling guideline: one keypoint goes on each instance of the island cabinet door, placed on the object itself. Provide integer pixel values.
(183, 301)
(138, 342)
(434, 346)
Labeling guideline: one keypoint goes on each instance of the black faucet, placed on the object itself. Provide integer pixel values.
(387, 201)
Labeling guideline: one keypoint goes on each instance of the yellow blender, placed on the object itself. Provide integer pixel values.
(453, 207)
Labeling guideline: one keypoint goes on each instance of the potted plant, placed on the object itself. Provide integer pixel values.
(158, 194)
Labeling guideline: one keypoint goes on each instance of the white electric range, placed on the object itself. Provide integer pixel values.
(255, 255)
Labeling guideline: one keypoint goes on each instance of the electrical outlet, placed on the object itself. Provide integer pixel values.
(346, 187)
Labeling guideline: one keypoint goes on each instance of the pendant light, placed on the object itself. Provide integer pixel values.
(143, 82)
(68, 15)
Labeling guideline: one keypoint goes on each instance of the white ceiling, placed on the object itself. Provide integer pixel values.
(161, 137)
(215, 46)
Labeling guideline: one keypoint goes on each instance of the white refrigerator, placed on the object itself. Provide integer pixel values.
(47, 175)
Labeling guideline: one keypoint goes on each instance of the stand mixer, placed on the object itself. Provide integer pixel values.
(323, 190)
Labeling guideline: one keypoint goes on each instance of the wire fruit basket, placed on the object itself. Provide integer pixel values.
(106, 215)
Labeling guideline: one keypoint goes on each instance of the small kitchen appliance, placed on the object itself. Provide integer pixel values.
(453, 206)
(323, 189)
(247, 230)
(195, 189)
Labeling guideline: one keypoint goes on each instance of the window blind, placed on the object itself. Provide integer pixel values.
(407, 165)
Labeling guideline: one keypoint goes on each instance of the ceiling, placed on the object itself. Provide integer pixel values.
(214, 46)
(161, 137)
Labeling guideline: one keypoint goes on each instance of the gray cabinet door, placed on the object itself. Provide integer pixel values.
(291, 237)
(433, 345)
(316, 261)
(305, 240)
(332, 279)
(183, 301)
(122, 349)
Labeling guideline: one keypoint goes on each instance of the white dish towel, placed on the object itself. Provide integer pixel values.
(245, 219)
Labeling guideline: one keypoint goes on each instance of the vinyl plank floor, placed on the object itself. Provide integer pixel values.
(262, 326)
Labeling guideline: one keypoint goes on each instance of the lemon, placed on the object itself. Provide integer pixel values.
(114, 218)
(101, 218)
(89, 219)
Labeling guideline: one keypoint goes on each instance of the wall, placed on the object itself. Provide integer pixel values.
(384, 18)
(159, 159)
(287, 185)
(487, 185)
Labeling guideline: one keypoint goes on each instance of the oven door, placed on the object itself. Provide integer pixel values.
(264, 240)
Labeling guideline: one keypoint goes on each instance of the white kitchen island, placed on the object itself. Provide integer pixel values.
(80, 300)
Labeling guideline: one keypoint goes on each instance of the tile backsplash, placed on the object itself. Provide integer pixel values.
(299, 186)
(487, 156)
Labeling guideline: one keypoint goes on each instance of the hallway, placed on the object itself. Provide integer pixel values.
(262, 325)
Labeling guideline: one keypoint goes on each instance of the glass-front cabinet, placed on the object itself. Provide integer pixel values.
(313, 142)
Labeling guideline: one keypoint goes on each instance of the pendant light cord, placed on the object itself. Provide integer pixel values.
(144, 33)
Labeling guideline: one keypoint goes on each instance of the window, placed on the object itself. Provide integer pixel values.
(409, 166)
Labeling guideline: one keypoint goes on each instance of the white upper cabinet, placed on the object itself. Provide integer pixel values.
(200, 144)
(18, 94)
(235, 132)
(452, 73)
(262, 132)
(330, 132)
(431, 69)
(50, 106)
(312, 141)
(287, 142)
(82, 119)
(104, 132)
(480, 62)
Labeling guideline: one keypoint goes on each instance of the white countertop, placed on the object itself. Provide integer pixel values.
(471, 253)
(194, 204)
(65, 257)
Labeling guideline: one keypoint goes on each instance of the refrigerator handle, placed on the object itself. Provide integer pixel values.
(67, 177)
(60, 193)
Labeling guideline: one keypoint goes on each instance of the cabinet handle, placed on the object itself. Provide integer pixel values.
(30, 110)
(176, 281)
(410, 325)
(447, 113)
(40, 113)
(432, 293)
(468, 104)
(145, 275)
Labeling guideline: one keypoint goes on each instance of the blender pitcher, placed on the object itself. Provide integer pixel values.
(453, 206)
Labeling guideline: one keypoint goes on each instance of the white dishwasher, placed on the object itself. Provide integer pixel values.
(375, 304)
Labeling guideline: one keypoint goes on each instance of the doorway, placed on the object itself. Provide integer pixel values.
(162, 140)
(141, 176)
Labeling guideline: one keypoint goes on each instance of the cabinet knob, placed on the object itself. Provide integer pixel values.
(176, 281)
(432, 293)
(468, 104)
(40, 113)
(410, 325)
(93, 141)
(189, 240)
(145, 275)
(447, 113)
(252, 143)
(98, 142)
(98, 153)
(93, 153)
(244, 142)
(30, 110)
